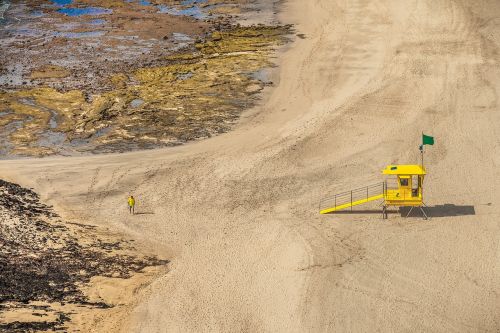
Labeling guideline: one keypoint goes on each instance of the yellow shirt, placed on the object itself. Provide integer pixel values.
(131, 202)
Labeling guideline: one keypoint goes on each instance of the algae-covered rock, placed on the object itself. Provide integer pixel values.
(50, 72)
(193, 94)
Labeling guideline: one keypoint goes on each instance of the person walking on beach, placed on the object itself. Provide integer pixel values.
(131, 204)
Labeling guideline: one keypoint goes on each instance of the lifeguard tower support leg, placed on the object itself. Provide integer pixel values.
(423, 212)
(409, 212)
(421, 209)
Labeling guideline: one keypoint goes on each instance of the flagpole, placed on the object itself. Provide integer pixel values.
(422, 151)
(422, 154)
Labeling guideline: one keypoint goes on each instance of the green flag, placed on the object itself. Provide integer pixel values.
(427, 140)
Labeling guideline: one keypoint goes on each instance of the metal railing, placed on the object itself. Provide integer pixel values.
(350, 197)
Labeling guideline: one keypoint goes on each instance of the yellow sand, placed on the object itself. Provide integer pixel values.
(237, 214)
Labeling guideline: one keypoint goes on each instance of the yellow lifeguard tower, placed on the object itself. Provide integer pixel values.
(405, 189)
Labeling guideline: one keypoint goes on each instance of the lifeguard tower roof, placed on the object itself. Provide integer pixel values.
(404, 170)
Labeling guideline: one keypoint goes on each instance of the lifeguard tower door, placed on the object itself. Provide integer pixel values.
(405, 187)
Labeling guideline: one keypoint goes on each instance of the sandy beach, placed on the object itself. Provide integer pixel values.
(237, 215)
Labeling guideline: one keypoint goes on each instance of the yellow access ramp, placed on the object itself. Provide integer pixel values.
(352, 198)
(351, 204)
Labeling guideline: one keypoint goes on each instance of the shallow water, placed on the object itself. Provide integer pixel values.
(62, 2)
(192, 2)
(85, 11)
(79, 11)
(4, 5)
(192, 11)
(5, 144)
(37, 13)
(98, 22)
(102, 131)
(136, 103)
(262, 75)
(51, 139)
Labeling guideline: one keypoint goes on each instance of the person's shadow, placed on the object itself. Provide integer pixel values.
(143, 213)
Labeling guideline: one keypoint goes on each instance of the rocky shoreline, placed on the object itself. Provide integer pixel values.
(160, 73)
(46, 264)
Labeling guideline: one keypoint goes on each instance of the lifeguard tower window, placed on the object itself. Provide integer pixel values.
(415, 183)
(403, 181)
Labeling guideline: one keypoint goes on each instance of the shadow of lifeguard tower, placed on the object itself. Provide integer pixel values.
(402, 188)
